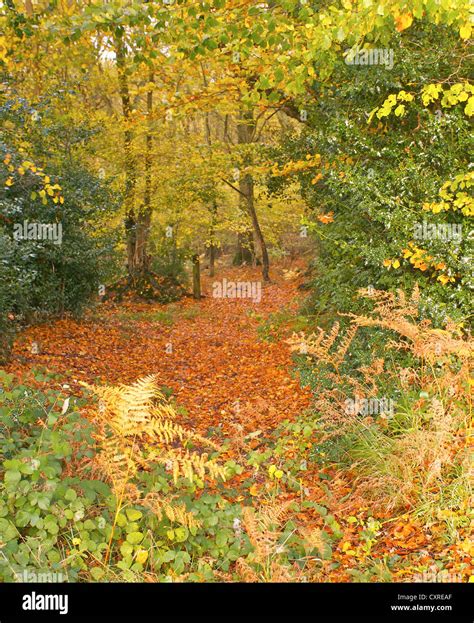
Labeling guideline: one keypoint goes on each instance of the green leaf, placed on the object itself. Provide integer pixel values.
(51, 526)
(54, 556)
(126, 549)
(7, 530)
(22, 519)
(135, 537)
(13, 464)
(326, 552)
(322, 510)
(12, 477)
(181, 534)
(279, 75)
(221, 538)
(70, 495)
(124, 564)
(97, 573)
(168, 556)
(43, 502)
(133, 514)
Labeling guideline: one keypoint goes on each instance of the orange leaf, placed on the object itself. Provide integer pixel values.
(404, 21)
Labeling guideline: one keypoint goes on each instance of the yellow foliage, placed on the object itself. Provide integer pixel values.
(136, 428)
(454, 196)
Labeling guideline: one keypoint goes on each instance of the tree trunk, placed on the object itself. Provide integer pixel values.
(245, 253)
(212, 260)
(245, 131)
(257, 229)
(148, 146)
(196, 277)
(212, 246)
(137, 227)
(137, 221)
(213, 209)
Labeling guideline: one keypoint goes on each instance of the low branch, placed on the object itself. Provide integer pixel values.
(237, 190)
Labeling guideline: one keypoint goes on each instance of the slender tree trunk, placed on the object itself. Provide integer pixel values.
(148, 146)
(212, 260)
(257, 229)
(196, 277)
(245, 131)
(245, 253)
(137, 221)
(141, 260)
(212, 246)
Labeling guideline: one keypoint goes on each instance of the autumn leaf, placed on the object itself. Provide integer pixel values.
(253, 490)
(403, 21)
(465, 31)
(326, 218)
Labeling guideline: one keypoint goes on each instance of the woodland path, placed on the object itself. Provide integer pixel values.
(224, 374)
(207, 352)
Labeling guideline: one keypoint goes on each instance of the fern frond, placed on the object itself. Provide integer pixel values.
(136, 429)
(176, 513)
(330, 337)
(345, 344)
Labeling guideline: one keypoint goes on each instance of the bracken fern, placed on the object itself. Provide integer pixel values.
(136, 429)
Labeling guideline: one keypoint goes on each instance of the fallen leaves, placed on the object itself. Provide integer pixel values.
(229, 382)
(408, 536)
(208, 354)
(326, 218)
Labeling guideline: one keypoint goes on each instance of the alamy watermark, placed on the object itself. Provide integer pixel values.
(369, 406)
(433, 575)
(437, 231)
(38, 231)
(51, 577)
(369, 56)
(237, 290)
(38, 601)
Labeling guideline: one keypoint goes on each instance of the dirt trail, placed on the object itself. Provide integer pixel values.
(209, 352)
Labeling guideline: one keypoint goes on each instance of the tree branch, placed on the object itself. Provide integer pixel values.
(234, 187)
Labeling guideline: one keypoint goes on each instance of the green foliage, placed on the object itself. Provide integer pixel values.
(39, 502)
(48, 275)
(274, 325)
(390, 170)
(168, 266)
(54, 522)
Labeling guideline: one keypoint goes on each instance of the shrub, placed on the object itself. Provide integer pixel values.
(54, 251)
(57, 517)
(392, 157)
(412, 456)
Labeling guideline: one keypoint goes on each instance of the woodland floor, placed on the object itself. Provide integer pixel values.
(224, 375)
(218, 368)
